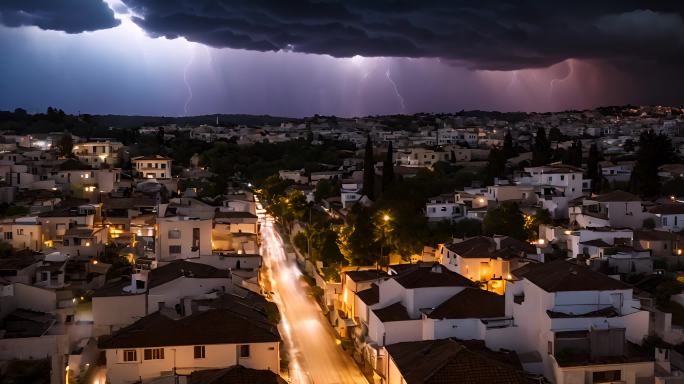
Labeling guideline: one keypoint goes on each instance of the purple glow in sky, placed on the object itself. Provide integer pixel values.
(142, 60)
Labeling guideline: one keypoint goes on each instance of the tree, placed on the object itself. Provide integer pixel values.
(573, 156)
(555, 134)
(507, 220)
(508, 148)
(593, 168)
(388, 168)
(654, 151)
(355, 240)
(369, 170)
(533, 222)
(541, 150)
(66, 145)
(496, 164)
(467, 228)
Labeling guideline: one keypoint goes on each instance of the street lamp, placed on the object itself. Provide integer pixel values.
(385, 218)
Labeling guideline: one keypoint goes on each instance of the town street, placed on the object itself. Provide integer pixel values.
(314, 356)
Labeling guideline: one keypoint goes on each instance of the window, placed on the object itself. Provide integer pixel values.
(562, 177)
(244, 351)
(130, 355)
(443, 209)
(8, 235)
(163, 166)
(606, 376)
(174, 234)
(549, 347)
(200, 352)
(174, 249)
(154, 354)
(20, 231)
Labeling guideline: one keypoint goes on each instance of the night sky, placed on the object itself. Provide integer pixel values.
(348, 58)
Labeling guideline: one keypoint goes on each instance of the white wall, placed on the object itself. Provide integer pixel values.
(262, 356)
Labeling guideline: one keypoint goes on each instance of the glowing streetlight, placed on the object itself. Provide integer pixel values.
(386, 217)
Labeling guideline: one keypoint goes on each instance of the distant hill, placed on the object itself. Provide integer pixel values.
(123, 121)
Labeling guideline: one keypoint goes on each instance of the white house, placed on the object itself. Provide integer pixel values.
(164, 345)
(152, 167)
(450, 361)
(486, 259)
(172, 286)
(182, 237)
(579, 323)
(669, 217)
(442, 207)
(615, 209)
(350, 193)
(99, 153)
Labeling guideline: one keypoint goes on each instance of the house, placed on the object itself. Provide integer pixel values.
(237, 222)
(182, 237)
(576, 239)
(121, 302)
(578, 323)
(84, 180)
(67, 215)
(99, 154)
(554, 185)
(22, 233)
(350, 193)
(668, 217)
(617, 258)
(152, 167)
(397, 315)
(296, 175)
(442, 207)
(355, 281)
(83, 242)
(450, 361)
(660, 243)
(466, 315)
(236, 374)
(161, 344)
(617, 209)
(486, 259)
(620, 172)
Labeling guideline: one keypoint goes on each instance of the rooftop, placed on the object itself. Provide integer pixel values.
(214, 326)
(560, 276)
(432, 276)
(461, 305)
(236, 374)
(450, 361)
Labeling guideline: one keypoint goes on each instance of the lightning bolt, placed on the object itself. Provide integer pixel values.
(187, 83)
(557, 80)
(396, 90)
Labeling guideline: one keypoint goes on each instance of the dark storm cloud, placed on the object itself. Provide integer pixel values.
(71, 16)
(501, 34)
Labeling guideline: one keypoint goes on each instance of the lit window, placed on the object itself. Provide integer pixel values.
(154, 354)
(130, 355)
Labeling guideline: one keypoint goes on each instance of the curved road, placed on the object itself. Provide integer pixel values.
(310, 342)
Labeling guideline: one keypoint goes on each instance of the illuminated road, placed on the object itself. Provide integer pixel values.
(309, 339)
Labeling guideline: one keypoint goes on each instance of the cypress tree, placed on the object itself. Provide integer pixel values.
(388, 168)
(369, 171)
(508, 149)
(541, 151)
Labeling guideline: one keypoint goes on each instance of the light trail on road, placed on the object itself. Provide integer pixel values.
(314, 356)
